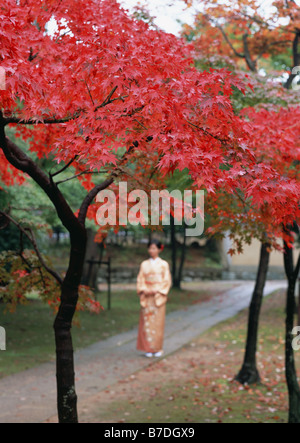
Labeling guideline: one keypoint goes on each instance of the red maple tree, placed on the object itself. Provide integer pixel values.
(266, 207)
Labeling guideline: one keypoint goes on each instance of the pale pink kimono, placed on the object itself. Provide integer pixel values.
(155, 276)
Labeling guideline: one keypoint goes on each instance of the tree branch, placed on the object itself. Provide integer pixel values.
(266, 47)
(206, 132)
(32, 240)
(90, 94)
(251, 64)
(108, 100)
(17, 158)
(224, 35)
(55, 121)
(21, 246)
(65, 167)
(90, 198)
(40, 121)
(242, 200)
(94, 192)
(32, 56)
(78, 175)
(268, 25)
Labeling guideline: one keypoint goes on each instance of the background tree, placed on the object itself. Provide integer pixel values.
(269, 208)
(224, 35)
(248, 31)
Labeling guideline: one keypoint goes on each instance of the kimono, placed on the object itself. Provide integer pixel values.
(154, 275)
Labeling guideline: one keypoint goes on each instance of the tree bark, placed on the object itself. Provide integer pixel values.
(299, 302)
(65, 374)
(252, 65)
(182, 261)
(296, 59)
(291, 372)
(174, 252)
(249, 373)
(93, 252)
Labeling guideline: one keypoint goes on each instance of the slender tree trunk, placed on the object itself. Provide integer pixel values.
(296, 60)
(97, 270)
(249, 373)
(252, 64)
(291, 372)
(93, 251)
(182, 261)
(66, 393)
(150, 236)
(299, 302)
(174, 253)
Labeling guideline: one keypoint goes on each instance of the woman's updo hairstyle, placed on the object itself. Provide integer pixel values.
(156, 243)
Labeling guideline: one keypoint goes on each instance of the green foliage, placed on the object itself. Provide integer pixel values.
(10, 239)
(281, 62)
(22, 273)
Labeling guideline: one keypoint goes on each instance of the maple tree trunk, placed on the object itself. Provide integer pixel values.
(296, 59)
(291, 372)
(182, 261)
(249, 373)
(66, 393)
(177, 276)
(93, 252)
(252, 65)
(174, 253)
(299, 302)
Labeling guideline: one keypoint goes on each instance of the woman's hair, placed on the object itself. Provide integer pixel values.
(156, 243)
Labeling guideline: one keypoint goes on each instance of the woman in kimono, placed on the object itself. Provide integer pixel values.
(153, 286)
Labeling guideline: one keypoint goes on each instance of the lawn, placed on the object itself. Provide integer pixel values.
(196, 383)
(30, 337)
(132, 256)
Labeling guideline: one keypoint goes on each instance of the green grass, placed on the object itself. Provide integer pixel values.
(132, 256)
(30, 337)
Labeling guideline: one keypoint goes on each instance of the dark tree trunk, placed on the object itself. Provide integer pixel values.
(182, 261)
(177, 271)
(66, 392)
(296, 60)
(298, 311)
(57, 233)
(249, 373)
(252, 64)
(291, 372)
(93, 251)
(174, 253)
